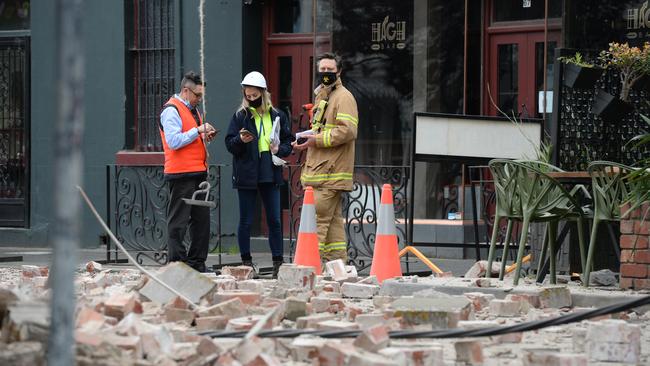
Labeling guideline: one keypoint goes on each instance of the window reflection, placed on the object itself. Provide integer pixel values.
(14, 14)
(293, 16)
(508, 84)
(513, 10)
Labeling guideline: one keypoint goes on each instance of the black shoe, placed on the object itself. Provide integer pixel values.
(200, 268)
(276, 268)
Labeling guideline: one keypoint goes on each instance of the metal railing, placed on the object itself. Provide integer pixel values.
(360, 207)
(137, 199)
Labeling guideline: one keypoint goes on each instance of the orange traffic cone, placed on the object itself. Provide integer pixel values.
(307, 247)
(385, 261)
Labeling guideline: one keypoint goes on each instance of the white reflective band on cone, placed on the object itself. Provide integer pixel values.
(307, 219)
(386, 220)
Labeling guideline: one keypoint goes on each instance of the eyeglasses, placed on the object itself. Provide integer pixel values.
(197, 95)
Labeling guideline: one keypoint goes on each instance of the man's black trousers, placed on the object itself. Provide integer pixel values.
(181, 216)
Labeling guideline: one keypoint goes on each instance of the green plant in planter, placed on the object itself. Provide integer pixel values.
(631, 62)
(577, 60)
(640, 178)
(579, 73)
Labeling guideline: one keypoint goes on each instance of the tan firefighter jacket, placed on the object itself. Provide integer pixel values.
(330, 163)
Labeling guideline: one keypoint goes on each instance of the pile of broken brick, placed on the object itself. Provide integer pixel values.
(125, 318)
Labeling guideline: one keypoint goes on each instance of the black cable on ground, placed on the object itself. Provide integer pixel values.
(448, 333)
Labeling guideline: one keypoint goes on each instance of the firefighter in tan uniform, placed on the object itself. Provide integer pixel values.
(330, 155)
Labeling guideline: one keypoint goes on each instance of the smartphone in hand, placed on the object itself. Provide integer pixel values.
(246, 133)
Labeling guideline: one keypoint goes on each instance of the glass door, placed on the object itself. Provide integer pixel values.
(516, 73)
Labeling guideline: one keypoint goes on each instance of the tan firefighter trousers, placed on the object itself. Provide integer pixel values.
(329, 220)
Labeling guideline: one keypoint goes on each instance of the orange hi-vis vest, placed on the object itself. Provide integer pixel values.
(191, 157)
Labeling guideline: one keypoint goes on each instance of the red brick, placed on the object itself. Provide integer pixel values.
(247, 297)
(634, 270)
(634, 242)
(624, 208)
(627, 255)
(627, 226)
(642, 227)
(120, 305)
(641, 284)
(626, 283)
(642, 256)
(645, 209)
(86, 315)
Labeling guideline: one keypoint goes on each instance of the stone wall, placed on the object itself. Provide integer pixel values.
(635, 253)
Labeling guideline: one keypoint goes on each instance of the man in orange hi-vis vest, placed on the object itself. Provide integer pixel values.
(182, 131)
(330, 155)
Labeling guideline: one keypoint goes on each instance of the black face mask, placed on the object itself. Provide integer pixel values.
(326, 78)
(255, 103)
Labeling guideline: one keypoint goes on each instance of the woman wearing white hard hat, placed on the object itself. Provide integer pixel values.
(252, 140)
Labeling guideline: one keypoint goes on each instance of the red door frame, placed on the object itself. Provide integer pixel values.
(510, 32)
(297, 45)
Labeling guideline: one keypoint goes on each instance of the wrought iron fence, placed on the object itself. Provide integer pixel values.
(138, 207)
(359, 208)
(14, 131)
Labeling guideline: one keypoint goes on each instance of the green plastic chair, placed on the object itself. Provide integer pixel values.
(540, 198)
(507, 206)
(610, 189)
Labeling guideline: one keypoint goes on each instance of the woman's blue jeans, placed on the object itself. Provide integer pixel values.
(270, 194)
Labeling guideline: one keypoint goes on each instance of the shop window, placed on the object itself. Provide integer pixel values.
(14, 131)
(14, 14)
(514, 10)
(293, 16)
(150, 69)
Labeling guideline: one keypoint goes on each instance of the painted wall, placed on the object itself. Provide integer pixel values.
(104, 101)
(223, 73)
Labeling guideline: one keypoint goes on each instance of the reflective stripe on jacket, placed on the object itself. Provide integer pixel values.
(330, 164)
(191, 157)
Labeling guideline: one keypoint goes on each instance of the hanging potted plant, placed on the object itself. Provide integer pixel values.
(610, 108)
(580, 74)
(631, 64)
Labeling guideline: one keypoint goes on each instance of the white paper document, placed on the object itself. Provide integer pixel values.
(274, 137)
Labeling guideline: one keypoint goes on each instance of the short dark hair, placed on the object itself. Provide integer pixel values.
(330, 56)
(191, 77)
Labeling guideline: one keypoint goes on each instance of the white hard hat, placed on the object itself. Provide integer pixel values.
(254, 78)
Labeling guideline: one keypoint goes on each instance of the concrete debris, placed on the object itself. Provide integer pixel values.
(240, 273)
(469, 352)
(183, 279)
(555, 297)
(22, 354)
(124, 318)
(604, 277)
(336, 270)
(613, 341)
(292, 276)
(93, 267)
(437, 313)
(479, 269)
(26, 321)
(545, 357)
(359, 290)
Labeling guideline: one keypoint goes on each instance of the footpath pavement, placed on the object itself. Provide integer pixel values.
(126, 318)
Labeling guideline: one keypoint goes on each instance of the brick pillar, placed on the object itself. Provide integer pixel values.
(635, 253)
